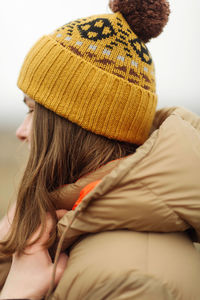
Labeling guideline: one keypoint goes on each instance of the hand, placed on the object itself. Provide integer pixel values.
(31, 273)
(6, 222)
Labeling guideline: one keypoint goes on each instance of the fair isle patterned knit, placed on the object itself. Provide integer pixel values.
(96, 73)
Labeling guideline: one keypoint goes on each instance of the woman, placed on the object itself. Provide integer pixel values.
(127, 177)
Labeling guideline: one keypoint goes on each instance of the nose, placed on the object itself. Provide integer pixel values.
(21, 132)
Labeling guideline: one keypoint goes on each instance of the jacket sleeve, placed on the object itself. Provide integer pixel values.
(127, 286)
(131, 286)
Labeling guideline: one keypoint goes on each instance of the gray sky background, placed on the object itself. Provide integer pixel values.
(176, 52)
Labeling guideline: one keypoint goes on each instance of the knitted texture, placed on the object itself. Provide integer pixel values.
(96, 73)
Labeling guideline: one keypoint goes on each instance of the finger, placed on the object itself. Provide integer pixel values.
(6, 222)
(11, 213)
(61, 266)
(49, 224)
(60, 213)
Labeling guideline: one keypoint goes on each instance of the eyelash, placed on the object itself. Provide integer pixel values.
(30, 111)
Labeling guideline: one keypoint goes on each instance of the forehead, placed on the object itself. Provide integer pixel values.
(28, 101)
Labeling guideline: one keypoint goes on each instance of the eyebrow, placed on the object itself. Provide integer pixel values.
(24, 99)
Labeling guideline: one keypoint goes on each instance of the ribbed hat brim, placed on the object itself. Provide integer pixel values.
(85, 94)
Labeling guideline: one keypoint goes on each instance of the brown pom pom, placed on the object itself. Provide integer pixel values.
(145, 17)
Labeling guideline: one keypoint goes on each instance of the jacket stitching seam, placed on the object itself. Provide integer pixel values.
(164, 203)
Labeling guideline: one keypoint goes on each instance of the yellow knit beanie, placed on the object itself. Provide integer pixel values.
(97, 73)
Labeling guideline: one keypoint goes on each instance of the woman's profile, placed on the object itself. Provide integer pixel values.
(109, 203)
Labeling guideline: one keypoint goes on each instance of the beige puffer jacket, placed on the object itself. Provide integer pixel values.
(132, 236)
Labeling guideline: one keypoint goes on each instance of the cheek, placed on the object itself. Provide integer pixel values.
(29, 124)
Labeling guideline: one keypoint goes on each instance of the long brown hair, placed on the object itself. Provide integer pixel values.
(61, 152)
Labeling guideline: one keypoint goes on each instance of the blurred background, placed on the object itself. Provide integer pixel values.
(22, 22)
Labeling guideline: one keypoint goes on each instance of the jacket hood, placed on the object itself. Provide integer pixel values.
(157, 189)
